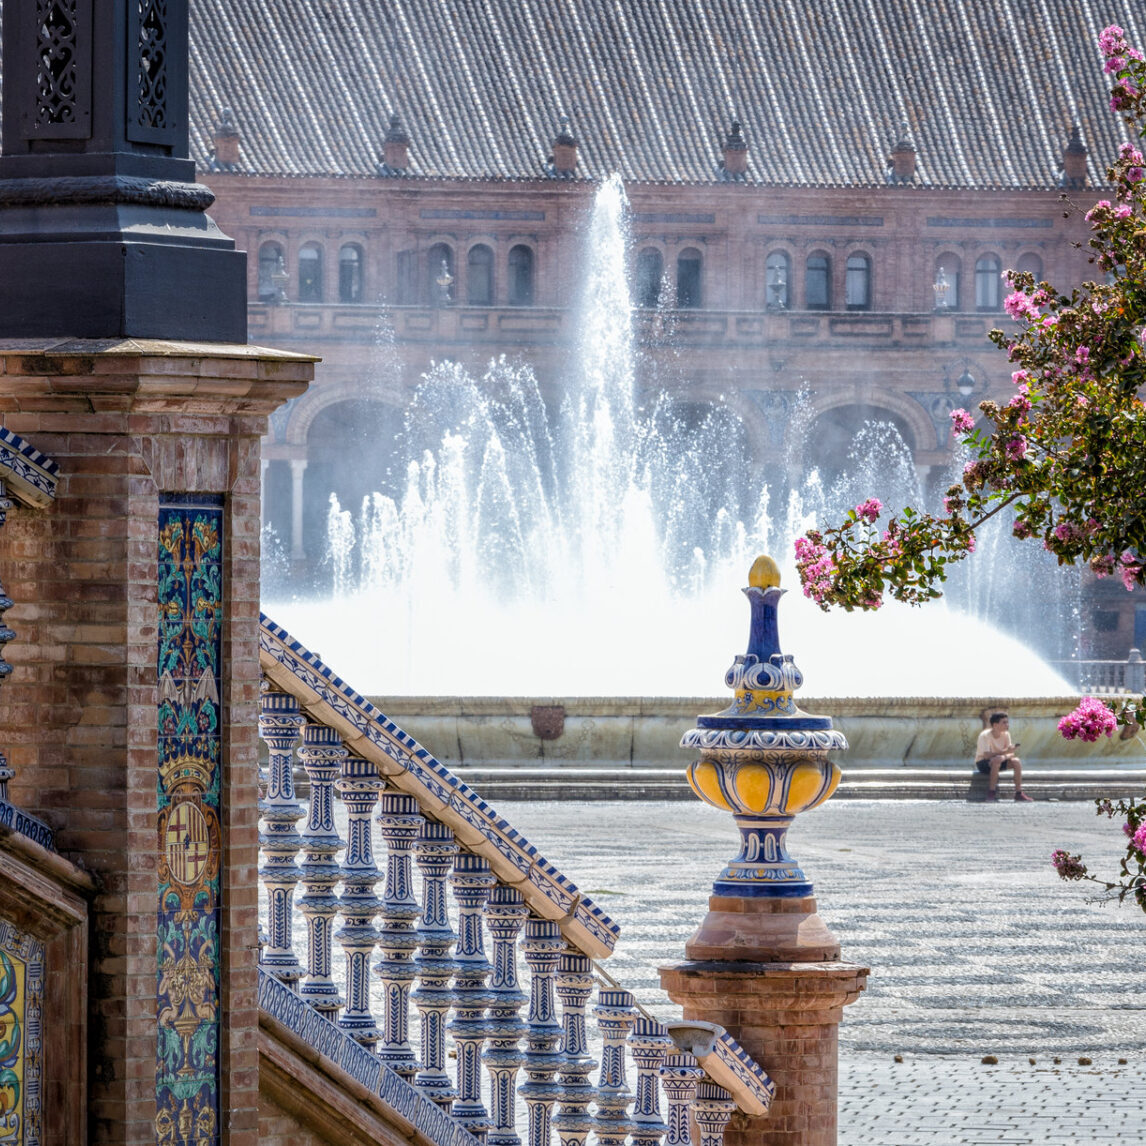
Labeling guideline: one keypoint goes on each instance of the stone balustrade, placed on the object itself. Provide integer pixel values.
(456, 875)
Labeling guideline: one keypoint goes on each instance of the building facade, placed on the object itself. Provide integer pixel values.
(822, 199)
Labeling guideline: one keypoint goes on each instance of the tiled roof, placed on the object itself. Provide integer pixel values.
(988, 88)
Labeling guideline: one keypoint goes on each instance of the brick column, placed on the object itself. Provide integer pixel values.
(769, 972)
(130, 423)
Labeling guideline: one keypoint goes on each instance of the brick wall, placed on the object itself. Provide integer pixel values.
(80, 709)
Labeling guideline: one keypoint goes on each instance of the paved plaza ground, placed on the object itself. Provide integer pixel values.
(976, 947)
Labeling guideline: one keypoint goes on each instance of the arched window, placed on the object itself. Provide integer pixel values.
(1032, 264)
(479, 276)
(857, 283)
(310, 273)
(688, 267)
(440, 274)
(350, 273)
(818, 282)
(650, 272)
(987, 284)
(272, 272)
(778, 285)
(520, 275)
(945, 285)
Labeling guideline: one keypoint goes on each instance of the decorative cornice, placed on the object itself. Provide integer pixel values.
(104, 190)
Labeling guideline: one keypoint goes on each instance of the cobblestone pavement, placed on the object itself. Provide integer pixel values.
(976, 947)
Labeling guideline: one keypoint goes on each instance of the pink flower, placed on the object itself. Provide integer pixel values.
(1122, 211)
(1066, 531)
(1130, 576)
(1133, 175)
(1021, 530)
(1111, 40)
(1021, 377)
(1101, 205)
(1139, 840)
(1088, 721)
(961, 422)
(1020, 402)
(1082, 355)
(1019, 307)
(1131, 154)
(1102, 566)
(1017, 448)
(1068, 866)
(869, 510)
(970, 543)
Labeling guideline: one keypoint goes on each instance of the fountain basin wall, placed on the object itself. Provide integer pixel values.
(636, 732)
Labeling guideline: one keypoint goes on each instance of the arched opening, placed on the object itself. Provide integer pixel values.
(350, 273)
(1032, 264)
(310, 273)
(520, 275)
(987, 283)
(818, 281)
(688, 279)
(349, 453)
(778, 285)
(857, 283)
(479, 276)
(847, 441)
(272, 271)
(440, 274)
(650, 272)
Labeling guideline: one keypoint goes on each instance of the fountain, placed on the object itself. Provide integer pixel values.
(531, 546)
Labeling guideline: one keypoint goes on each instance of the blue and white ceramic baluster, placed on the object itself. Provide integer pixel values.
(615, 1011)
(471, 881)
(279, 722)
(648, 1043)
(542, 947)
(574, 986)
(321, 754)
(359, 786)
(399, 823)
(504, 915)
(680, 1073)
(434, 852)
(712, 1109)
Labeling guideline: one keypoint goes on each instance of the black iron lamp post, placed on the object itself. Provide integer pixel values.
(103, 229)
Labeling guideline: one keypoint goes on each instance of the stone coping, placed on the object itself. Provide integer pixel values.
(692, 706)
(29, 475)
(368, 733)
(422, 1119)
(146, 348)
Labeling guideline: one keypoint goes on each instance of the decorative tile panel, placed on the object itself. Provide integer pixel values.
(21, 1042)
(189, 671)
(30, 476)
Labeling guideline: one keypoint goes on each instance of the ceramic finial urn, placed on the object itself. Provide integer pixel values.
(762, 758)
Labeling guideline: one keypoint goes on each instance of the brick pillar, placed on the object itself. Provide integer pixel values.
(132, 423)
(769, 972)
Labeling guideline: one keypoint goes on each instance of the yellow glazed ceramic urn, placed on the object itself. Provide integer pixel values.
(762, 758)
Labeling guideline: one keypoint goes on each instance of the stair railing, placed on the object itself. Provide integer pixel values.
(441, 839)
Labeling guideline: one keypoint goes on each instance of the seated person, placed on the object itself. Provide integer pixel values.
(995, 753)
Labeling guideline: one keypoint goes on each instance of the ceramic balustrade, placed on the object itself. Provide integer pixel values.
(458, 991)
(505, 914)
(399, 824)
(471, 883)
(359, 787)
(280, 721)
(574, 987)
(542, 946)
(321, 754)
(434, 854)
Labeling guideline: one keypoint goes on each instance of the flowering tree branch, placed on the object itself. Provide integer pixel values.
(1067, 452)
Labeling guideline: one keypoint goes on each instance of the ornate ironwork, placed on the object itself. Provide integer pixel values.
(58, 29)
(150, 58)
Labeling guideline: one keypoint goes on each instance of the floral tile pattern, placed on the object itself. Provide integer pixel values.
(190, 604)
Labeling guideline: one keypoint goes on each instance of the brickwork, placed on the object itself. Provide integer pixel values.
(127, 422)
(768, 970)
